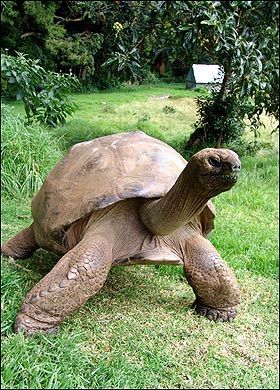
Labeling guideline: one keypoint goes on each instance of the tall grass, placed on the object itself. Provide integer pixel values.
(28, 153)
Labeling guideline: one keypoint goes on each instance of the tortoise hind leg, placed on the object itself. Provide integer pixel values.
(22, 245)
(78, 275)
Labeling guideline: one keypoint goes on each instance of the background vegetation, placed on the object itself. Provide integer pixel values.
(105, 43)
(140, 330)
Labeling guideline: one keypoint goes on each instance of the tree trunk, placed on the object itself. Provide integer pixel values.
(223, 90)
(219, 141)
(222, 97)
(196, 138)
(84, 72)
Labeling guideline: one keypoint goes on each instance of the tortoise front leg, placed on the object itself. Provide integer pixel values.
(214, 284)
(73, 280)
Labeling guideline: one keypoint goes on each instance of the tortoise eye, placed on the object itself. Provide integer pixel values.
(215, 162)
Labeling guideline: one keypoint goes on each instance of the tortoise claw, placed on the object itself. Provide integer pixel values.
(218, 315)
(30, 327)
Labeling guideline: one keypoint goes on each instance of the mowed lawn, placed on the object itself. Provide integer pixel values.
(139, 331)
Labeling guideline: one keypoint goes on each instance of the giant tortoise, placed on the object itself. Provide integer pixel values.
(126, 199)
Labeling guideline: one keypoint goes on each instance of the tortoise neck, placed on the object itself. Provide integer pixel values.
(179, 206)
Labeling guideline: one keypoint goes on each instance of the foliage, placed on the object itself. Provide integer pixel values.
(220, 121)
(43, 92)
(81, 36)
(77, 51)
(108, 43)
(125, 62)
(242, 37)
(169, 109)
(27, 26)
(28, 153)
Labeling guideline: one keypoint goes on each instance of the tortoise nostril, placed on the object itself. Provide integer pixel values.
(236, 167)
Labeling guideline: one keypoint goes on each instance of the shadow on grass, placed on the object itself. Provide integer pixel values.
(133, 284)
(41, 262)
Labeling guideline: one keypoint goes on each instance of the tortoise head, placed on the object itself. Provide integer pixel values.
(216, 170)
(208, 173)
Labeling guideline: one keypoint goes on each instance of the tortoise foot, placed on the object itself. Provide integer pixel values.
(219, 315)
(8, 252)
(22, 245)
(29, 326)
(16, 253)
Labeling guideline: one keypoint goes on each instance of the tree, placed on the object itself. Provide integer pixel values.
(242, 37)
(58, 33)
(82, 35)
(25, 27)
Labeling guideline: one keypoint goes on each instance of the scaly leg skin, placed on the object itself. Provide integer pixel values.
(73, 280)
(214, 284)
(22, 245)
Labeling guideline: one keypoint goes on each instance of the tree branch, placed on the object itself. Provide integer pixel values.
(28, 34)
(139, 43)
(72, 20)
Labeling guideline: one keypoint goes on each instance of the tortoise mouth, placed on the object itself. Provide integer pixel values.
(226, 177)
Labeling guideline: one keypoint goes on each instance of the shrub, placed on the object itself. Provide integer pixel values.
(43, 92)
(169, 109)
(220, 121)
(28, 154)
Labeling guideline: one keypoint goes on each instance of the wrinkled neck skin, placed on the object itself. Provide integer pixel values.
(185, 200)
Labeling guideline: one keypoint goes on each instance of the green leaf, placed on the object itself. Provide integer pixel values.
(19, 95)
(122, 48)
(207, 22)
(259, 63)
(12, 80)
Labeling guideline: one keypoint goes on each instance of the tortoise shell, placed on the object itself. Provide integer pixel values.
(98, 173)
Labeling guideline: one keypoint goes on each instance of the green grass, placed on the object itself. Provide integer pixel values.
(247, 217)
(139, 331)
(27, 152)
(130, 110)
